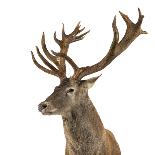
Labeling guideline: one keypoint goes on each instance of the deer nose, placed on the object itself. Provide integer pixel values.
(42, 106)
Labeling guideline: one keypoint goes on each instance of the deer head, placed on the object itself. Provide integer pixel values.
(72, 90)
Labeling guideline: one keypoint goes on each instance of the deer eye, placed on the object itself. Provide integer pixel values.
(71, 90)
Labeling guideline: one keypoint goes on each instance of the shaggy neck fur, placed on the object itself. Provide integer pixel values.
(83, 129)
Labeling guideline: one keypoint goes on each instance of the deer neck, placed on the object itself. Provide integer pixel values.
(82, 126)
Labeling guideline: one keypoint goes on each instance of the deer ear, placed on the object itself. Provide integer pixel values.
(90, 82)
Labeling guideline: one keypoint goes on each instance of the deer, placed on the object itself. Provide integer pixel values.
(84, 131)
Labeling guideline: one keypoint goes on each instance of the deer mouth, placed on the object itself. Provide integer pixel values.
(45, 112)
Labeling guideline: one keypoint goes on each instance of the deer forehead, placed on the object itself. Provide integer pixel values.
(68, 83)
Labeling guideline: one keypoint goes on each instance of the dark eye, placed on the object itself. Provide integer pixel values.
(71, 90)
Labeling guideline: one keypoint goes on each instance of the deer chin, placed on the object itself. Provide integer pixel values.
(51, 112)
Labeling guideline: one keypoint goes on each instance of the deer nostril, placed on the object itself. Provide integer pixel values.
(44, 106)
(41, 107)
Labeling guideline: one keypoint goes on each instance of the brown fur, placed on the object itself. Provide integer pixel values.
(88, 136)
(84, 131)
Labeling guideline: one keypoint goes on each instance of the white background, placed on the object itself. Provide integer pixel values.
(123, 96)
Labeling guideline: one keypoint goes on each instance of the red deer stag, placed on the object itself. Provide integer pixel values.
(84, 131)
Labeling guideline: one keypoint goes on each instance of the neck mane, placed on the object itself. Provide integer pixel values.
(83, 127)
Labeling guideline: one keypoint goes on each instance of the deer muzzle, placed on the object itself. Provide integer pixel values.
(46, 108)
(42, 106)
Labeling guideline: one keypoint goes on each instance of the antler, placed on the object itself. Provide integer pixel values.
(58, 61)
(117, 47)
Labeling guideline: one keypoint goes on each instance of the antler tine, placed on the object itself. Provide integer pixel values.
(43, 68)
(63, 31)
(68, 59)
(77, 29)
(140, 20)
(116, 34)
(47, 53)
(80, 37)
(70, 38)
(56, 39)
(117, 47)
(45, 61)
